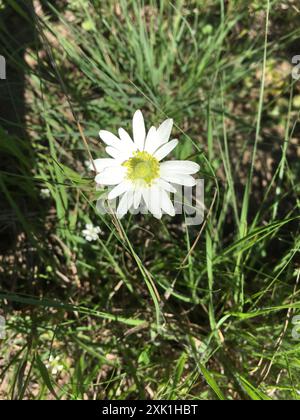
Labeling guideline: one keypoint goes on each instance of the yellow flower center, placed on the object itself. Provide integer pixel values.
(142, 167)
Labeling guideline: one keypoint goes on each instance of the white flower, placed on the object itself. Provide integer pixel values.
(45, 193)
(87, 164)
(136, 171)
(91, 233)
(54, 365)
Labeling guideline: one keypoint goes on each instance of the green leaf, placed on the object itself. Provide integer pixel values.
(45, 375)
(211, 382)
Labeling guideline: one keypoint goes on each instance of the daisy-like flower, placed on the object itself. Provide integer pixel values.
(136, 170)
(45, 193)
(87, 164)
(91, 232)
(54, 365)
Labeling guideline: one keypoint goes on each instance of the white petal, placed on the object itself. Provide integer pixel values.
(126, 139)
(125, 204)
(155, 198)
(119, 189)
(152, 201)
(110, 139)
(166, 203)
(180, 179)
(137, 198)
(166, 186)
(179, 166)
(152, 141)
(111, 176)
(163, 151)
(164, 131)
(117, 154)
(139, 132)
(146, 197)
(101, 164)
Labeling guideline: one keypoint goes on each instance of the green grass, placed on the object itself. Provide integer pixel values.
(154, 309)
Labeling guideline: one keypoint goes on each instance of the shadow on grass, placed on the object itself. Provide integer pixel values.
(18, 194)
(20, 202)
